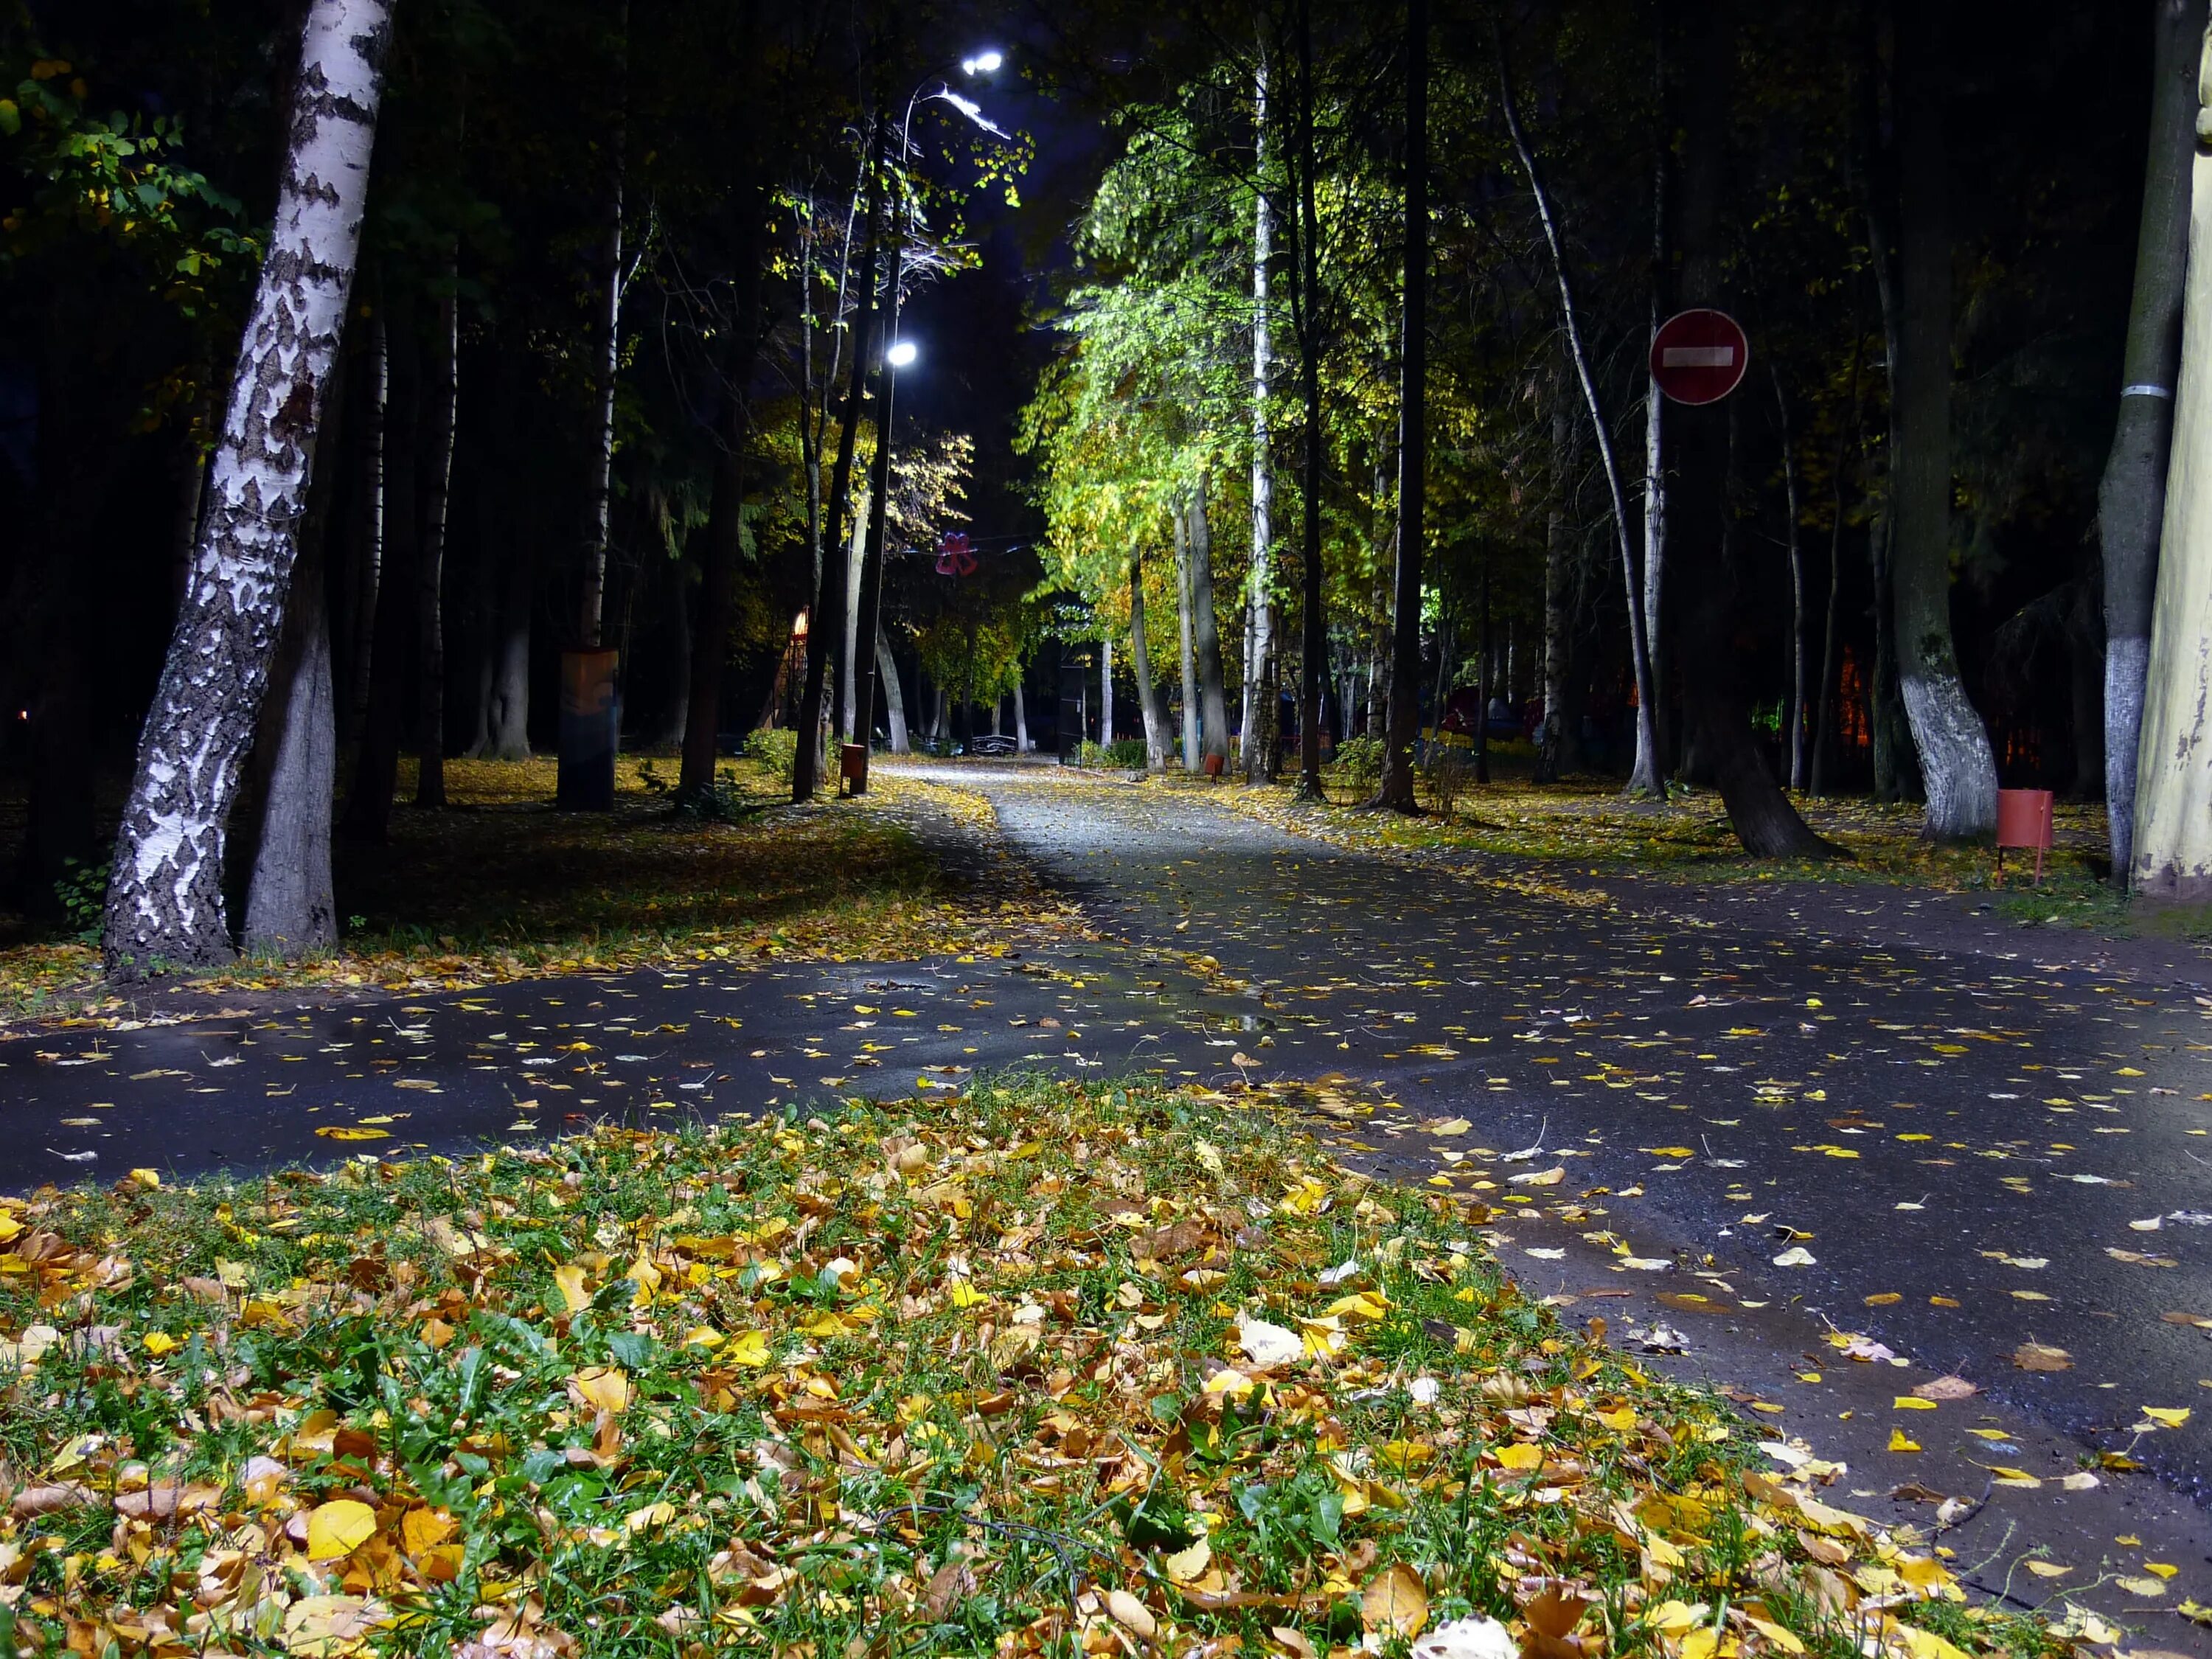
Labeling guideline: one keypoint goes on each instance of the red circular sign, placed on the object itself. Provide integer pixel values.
(1699, 356)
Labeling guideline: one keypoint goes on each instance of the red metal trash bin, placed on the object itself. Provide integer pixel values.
(2024, 820)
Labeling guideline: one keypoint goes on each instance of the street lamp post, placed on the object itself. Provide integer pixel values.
(897, 354)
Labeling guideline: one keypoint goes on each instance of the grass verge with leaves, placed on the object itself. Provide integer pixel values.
(500, 886)
(1041, 1367)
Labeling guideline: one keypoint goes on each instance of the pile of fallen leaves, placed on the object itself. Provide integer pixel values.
(1033, 1369)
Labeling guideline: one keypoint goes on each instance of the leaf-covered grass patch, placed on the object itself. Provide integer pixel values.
(1040, 1368)
(1578, 822)
(500, 886)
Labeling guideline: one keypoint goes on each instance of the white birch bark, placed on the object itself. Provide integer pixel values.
(1105, 693)
(1191, 762)
(1258, 725)
(599, 495)
(2173, 759)
(165, 898)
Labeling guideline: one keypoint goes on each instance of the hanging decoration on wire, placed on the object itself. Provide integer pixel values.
(956, 553)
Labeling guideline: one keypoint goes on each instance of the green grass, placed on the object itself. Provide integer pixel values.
(968, 1374)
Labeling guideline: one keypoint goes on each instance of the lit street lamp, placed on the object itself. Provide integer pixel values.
(898, 355)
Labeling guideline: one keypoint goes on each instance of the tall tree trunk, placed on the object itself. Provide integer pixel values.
(895, 696)
(165, 896)
(607, 347)
(1647, 775)
(368, 523)
(849, 681)
(1205, 627)
(1795, 543)
(1560, 741)
(1149, 705)
(872, 570)
(1258, 712)
(1896, 771)
(832, 594)
(1184, 616)
(1305, 294)
(724, 546)
(2173, 755)
(2131, 498)
(1403, 725)
(430, 687)
(289, 909)
(1955, 762)
(1718, 727)
(1106, 692)
(1824, 729)
(1640, 647)
(376, 766)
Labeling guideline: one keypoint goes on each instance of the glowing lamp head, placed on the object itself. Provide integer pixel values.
(983, 63)
(902, 352)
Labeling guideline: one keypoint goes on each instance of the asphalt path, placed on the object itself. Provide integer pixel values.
(1974, 1154)
(1746, 1144)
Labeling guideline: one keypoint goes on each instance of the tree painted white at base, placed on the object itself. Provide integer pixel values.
(165, 898)
(2173, 757)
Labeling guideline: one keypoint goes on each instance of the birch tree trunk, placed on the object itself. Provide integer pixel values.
(1021, 722)
(2131, 498)
(1205, 629)
(1313, 668)
(1956, 764)
(165, 896)
(1402, 725)
(2173, 761)
(1190, 761)
(848, 586)
(1141, 663)
(437, 488)
(1105, 694)
(1648, 776)
(1639, 646)
(1258, 712)
(607, 357)
(856, 555)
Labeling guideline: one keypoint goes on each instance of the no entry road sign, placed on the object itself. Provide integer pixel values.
(1699, 356)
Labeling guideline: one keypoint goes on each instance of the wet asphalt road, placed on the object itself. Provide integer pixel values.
(1971, 1151)
(1969, 1148)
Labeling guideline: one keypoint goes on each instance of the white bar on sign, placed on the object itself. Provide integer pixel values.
(1697, 357)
